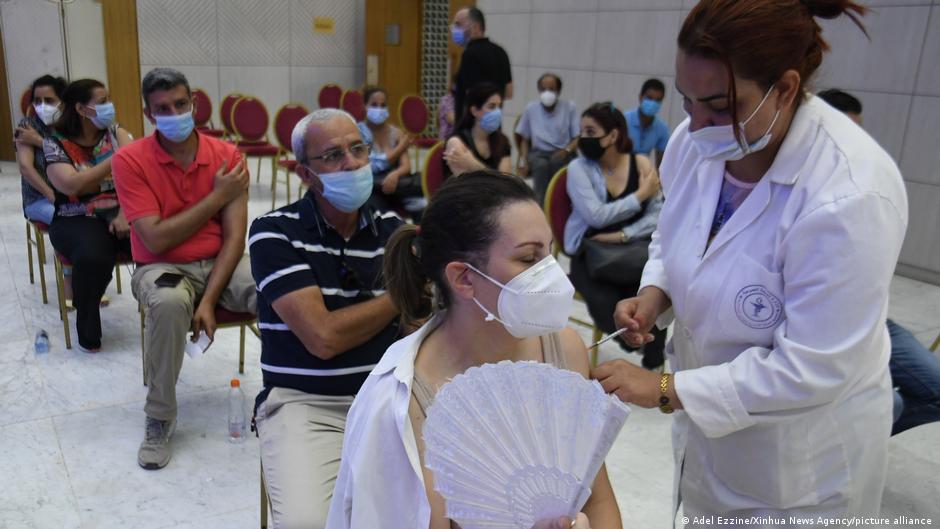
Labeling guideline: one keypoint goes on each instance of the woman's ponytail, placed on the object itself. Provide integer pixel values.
(405, 280)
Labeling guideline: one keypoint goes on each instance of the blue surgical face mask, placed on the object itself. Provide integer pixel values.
(491, 121)
(650, 107)
(105, 115)
(377, 115)
(347, 191)
(176, 127)
(459, 35)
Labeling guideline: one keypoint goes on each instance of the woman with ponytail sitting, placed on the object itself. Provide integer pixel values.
(483, 243)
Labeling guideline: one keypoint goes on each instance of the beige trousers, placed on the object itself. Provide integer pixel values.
(301, 437)
(169, 315)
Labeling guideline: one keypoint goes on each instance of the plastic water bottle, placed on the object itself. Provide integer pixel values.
(42, 342)
(236, 413)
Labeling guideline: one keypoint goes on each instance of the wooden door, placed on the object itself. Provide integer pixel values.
(123, 58)
(7, 152)
(393, 48)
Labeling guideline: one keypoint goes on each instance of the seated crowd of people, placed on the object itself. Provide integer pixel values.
(337, 277)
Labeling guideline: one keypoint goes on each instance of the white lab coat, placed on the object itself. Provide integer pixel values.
(780, 346)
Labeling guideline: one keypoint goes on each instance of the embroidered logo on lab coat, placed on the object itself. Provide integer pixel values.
(757, 308)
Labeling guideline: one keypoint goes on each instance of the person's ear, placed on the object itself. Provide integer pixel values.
(149, 116)
(79, 110)
(308, 177)
(614, 136)
(788, 87)
(476, 112)
(457, 276)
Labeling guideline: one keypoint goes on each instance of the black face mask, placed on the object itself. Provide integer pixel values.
(591, 148)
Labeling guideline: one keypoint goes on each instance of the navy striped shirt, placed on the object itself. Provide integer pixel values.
(293, 248)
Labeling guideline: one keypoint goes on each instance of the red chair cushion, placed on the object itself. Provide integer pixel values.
(289, 164)
(559, 207)
(259, 150)
(26, 101)
(413, 114)
(426, 142)
(285, 120)
(434, 170)
(225, 316)
(330, 96)
(225, 111)
(202, 112)
(121, 258)
(250, 119)
(215, 133)
(353, 103)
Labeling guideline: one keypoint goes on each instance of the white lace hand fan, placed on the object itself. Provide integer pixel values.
(514, 443)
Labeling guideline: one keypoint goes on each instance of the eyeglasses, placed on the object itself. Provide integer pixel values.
(333, 157)
(349, 279)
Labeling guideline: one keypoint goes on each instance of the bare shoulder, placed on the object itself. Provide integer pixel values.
(575, 351)
(643, 163)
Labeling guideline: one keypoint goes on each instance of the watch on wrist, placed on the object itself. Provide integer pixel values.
(623, 237)
(664, 405)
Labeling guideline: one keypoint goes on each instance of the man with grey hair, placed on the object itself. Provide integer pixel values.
(186, 197)
(325, 319)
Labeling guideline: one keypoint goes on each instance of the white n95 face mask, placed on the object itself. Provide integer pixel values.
(534, 303)
(718, 142)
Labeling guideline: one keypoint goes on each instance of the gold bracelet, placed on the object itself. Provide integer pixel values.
(664, 405)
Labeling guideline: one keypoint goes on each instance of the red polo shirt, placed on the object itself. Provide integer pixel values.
(149, 182)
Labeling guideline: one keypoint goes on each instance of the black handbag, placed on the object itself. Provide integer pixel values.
(614, 262)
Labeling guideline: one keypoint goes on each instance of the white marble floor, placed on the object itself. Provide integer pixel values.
(70, 423)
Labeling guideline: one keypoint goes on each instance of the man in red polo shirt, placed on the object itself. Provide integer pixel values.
(185, 195)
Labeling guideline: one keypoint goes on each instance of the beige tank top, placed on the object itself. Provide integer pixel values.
(551, 352)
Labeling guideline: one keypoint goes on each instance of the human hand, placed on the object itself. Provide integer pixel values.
(610, 237)
(27, 135)
(231, 184)
(522, 169)
(559, 155)
(204, 320)
(580, 522)
(638, 315)
(629, 382)
(390, 183)
(119, 226)
(459, 158)
(649, 185)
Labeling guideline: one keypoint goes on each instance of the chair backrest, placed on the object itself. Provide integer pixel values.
(413, 114)
(353, 103)
(225, 111)
(26, 100)
(284, 121)
(330, 96)
(250, 119)
(203, 111)
(432, 174)
(558, 207)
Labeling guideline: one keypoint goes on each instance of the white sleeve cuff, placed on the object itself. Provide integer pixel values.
(709, 398)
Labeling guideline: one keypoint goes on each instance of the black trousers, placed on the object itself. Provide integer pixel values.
(92, 250)
(602, 297)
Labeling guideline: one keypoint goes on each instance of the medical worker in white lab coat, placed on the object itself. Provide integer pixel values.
(775, 255)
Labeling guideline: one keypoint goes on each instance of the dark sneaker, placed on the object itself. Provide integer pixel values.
(154, 452)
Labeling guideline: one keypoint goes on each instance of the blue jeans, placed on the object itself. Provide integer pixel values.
(40, 210)
(915, 373)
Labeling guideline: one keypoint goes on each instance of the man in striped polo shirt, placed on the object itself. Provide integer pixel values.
(325, 318)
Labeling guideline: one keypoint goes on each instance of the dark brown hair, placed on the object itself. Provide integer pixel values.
(459, 224)
(759, 40)
(368, 90)
(476, 97)
(69, 123)
(609, 117)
